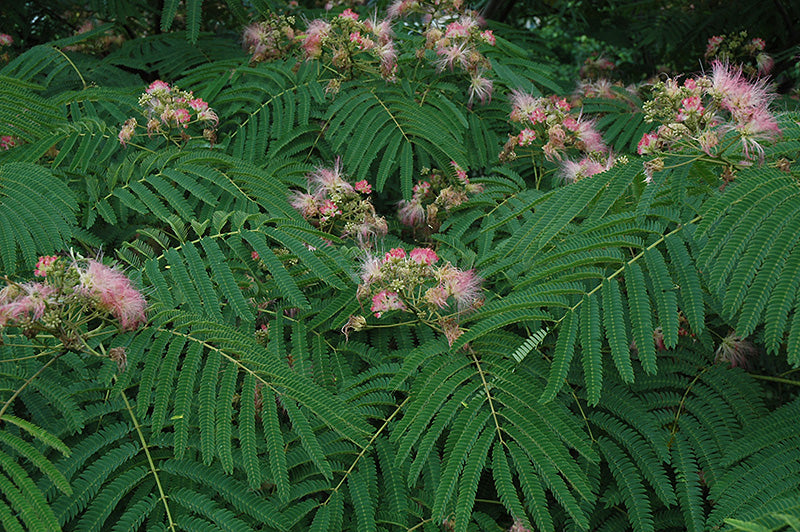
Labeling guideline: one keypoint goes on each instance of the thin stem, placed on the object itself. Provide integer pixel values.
(364, 449)
(149, 460)
(674, 428)
(488, 396)
(775, 379)
(83, 81)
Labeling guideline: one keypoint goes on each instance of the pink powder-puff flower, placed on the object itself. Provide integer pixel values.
(386, 300)
(6, 39)
(328, 180)
(590, 138)
(764, 64)
(28, 304)
(127, 131)
(198, 104)
(461, 174)
(464, 286)
(713, 44)
(437, 296)
(424, 256)
(522, 105)
(363, 186)
(328, 209)
(312, 43)
(456, 29)
(182, 117)
(573, 171)
(43, 265)
(411, 213)
(388, 58)
(394, 253)
(111, 291)
(349, 13)
(158, 85)
(371, 270)
(735, 351)
(208, 115)
(488, 37)
(647, 144)
(451, 56)
(526, 137)
(480, 88)
(254, 256)
(7, 142)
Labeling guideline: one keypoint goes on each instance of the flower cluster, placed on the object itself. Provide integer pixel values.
(100, 44)
(412, 282)
(72, 292)
(5, 41)
(702, 111)
(8, 141)
(548, 126)
(596, 67)
(338, 207)
(352, 44)
(269, 39)
(456, 37)
(169, 112)
(434, 196)
(736, 351)
(737, 48)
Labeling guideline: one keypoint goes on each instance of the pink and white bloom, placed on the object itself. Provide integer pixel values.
(158, 85)
(393, 254)
(386, 300)
(111, 291)
(424, 256)
(363, 186)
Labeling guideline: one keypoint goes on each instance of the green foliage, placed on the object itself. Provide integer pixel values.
(588, 388)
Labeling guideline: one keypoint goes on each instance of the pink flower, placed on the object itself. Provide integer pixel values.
(424, 256)
(590, 138)
(158, 85)
(575, 171)
(647, 144)
(208, 115)
(312, 43)
(327, 180)
(328, 209)
(437, 296)
(6, 40)
(411, 213)
(456, 29)
(182, 117)
(480, 88)
(488, 37)
(43, 265)
(394, 253)
(111, 291)
(464, 286)
(363, 186)
(736, 351)
(127, 131)
(461, 174)
(526, 137)
(451, 56)
(349, 13)
(386, 300)
(28, 304)
(7, 142)
(254, 255)
(198, 104)
(371, 270)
